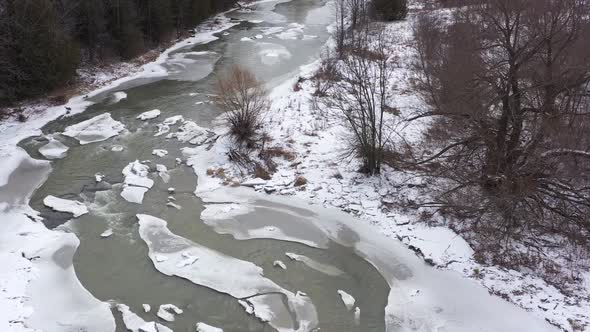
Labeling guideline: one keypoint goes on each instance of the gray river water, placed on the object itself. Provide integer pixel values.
(118, 268)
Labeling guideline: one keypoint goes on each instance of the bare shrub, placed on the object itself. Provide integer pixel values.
(359, 95)
(244, 100)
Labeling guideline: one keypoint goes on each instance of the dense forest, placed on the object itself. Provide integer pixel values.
(43, 42)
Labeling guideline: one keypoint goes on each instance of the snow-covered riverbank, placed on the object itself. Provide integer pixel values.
(295, 124)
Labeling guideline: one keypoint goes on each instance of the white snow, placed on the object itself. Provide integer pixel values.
(280, 264)
(54, 149)
(202, 327)
(65, 205)
(96, 129)
(347, 299)
(159, 152)
(107, 233)
(149, 115)
(136, 182)
(168, 311)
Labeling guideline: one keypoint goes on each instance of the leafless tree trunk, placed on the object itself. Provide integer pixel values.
(360, 91)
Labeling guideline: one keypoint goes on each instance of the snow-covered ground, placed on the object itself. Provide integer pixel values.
(294, 123)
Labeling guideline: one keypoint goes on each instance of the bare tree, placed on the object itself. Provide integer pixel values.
(507, 84)
(360, 91)
(244, 100)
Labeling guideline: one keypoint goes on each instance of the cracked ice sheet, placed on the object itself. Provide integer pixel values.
(54, 149)
(237, 278)
(246, 221)
(96, 129)
(445, 301)
(136, 182)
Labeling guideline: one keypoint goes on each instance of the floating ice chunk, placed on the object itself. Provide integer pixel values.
(163, 172)
(136, 175)
(255, 21)
(99, 128)
(168, 311)
(246, 39)
(190, 132)
(107, 233)
(247, 307)
(117, 148)
(54, 149)
(118, 96)
(259, 36)
(134, 323)
(280, 264)
(134, 194)
(357, 315)
(98, 177)
(159, 152)
(309, 37)
(347, 299)
(202, 327)
(214, 212)
(324, 268)
(149, 115)
(64, 205)
(146, 307)
(174, 205)
(170, 121)
(171, 190)
(136, 182)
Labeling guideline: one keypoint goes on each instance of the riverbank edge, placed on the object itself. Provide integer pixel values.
(28, 247)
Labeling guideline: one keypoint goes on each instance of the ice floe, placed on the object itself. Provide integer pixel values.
(225, 274)
(136, 182)
(98, 177)
(134, 323)
(107, 233)
(117, 148)
(280, 264)
(168, 312)
(202, 327)
(163, 172)
(96, 129)
(357, 315)
(159, 152)
(190, 132)
(324, 268)
(118, 96)
(272, 54)
(54, 149)
(347, 299)
(149, 115)
(65, 205)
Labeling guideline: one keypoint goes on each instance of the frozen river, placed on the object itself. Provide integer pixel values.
(233, 259)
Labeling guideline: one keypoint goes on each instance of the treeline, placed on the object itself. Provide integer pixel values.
(42, 42)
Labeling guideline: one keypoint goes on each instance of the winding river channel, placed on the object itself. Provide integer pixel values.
(225, 270)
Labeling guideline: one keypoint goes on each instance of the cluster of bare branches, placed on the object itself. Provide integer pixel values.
(356, 84)
(507, 82)
(244, 100)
